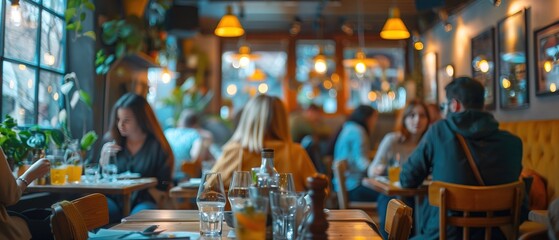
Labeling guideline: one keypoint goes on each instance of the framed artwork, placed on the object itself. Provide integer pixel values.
(512, 61)
(483, 64)
(430, 78)
(547, 59)
(445, 74)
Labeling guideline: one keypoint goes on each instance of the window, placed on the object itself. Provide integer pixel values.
(33, 64)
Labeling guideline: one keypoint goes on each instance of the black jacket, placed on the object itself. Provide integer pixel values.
(497, 153)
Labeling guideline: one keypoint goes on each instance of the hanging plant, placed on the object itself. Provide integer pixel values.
(75, 14)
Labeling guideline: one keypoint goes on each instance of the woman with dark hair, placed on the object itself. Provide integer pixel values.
(141, 147)
(397, 146)
(352, 144)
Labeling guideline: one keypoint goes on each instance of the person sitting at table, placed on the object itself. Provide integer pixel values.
(141, 148)
(11, 188)
(188, 142)
(397, 146)
(497, 154)
(352, 144)
(263, 124)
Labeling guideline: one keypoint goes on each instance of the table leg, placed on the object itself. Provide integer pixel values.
(126, 205)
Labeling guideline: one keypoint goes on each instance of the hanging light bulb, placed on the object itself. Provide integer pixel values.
(394, 28)
(229, 25)
(15, 13)
(417, 44)
(49, 58)
(165, 76)
(320, 63)
(243, 58)
(547, 66)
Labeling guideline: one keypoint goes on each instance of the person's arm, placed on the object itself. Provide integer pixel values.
(419, 164)
(379, 164)
(11, 188)
(359, 150)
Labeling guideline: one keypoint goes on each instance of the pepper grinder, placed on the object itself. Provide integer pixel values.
(316, 223)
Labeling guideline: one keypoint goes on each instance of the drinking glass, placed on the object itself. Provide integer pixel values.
(110, 169)
(286, 183)
(58, 167)
(238, 190)
(284, 207)
(394, 169)
(250, 218)
(75, 167)
(211, 201)
(91, 172)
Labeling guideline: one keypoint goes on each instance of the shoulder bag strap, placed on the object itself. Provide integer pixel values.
(470, 159)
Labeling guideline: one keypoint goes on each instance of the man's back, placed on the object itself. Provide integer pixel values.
(498, 156)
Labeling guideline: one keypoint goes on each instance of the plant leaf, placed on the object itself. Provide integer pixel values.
(69, 14)
(90, 34)
(71, 26)
(84, 96)
(89, 5)
(75, 99)
(87, 140)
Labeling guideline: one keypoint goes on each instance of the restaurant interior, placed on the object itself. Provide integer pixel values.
(196, 82)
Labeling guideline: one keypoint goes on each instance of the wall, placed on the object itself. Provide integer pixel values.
(454, 47)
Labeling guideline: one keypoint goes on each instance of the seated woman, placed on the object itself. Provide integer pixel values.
(397, 146)
(263, 124)
(142, 148)
(352, 144)
(12, 227)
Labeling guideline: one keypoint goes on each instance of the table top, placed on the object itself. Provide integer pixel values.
(182, 192)
(348, 215)
(539, 216)
(336, 230)
(118, 187)
(384, 187)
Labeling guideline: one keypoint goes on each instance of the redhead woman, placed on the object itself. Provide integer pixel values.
(141, 148)
(263, 124)
(397, 146)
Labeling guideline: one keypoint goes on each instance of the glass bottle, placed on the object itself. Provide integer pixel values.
(268, 175)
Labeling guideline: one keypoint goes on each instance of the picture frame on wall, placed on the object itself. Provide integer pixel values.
(546, 42)
(445, 74)
(513, 63)
(483, 64)
(430, 77)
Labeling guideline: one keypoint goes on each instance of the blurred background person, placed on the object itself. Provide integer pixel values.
(397, 146)
(263, 124)
(137, 137)
(352, 144)
(434, 112)
(11, 189)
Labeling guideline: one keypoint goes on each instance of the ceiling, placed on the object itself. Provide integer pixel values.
(265, 16)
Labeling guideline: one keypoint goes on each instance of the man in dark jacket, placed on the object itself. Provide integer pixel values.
(498, 154)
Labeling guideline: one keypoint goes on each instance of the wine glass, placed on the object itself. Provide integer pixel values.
(286, 183)
(211, 201)
(238, 190)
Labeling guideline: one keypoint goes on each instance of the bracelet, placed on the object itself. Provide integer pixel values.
(24, 181)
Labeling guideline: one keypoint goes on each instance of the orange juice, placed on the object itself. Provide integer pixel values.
(250, 225)
(74, 173)
(58, 175)
(394, 174)
(21, 170)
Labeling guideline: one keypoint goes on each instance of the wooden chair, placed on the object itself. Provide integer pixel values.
(339, 170)
(72, 220)
(398, 220)
(192, 169)
(487, 199)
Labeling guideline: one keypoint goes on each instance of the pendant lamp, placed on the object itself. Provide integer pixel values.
(394, 28)
(229, 25)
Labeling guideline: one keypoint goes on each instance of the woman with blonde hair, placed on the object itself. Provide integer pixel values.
(263, 124)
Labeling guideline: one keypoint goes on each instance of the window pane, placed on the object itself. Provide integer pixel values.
(56, 5)
(49, 96)
(319, 88)
(21, 35)
(380, 85)
(18, 92)
(52, 35)
(262, 72)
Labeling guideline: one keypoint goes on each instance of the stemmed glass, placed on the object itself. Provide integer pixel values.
(211, 201)
(238, 190)
(286, 183)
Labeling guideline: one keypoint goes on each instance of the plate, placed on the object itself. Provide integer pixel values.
(192, 183)
(128, 175)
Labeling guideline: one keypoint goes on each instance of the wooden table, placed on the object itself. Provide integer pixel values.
(348, 215)
(539, 216)
(182, 192)
(338, 229)
(383, 186)
(121, 187)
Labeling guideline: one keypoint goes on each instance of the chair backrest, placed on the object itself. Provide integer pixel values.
(192, 169)
(72, 220)
(487, 199)
(339, 170)
(398, 220)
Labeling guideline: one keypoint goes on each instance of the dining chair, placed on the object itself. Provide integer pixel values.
(73, 219)
(478, 199)
(399, 220)
(339, 170)
(192, 169)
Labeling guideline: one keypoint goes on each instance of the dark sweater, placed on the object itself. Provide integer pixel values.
(497, 153)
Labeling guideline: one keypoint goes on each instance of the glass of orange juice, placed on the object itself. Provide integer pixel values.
(58, 168)
(394, 169)
(250, 218)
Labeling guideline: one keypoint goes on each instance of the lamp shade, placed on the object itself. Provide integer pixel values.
(229, 25)
(394, 28)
